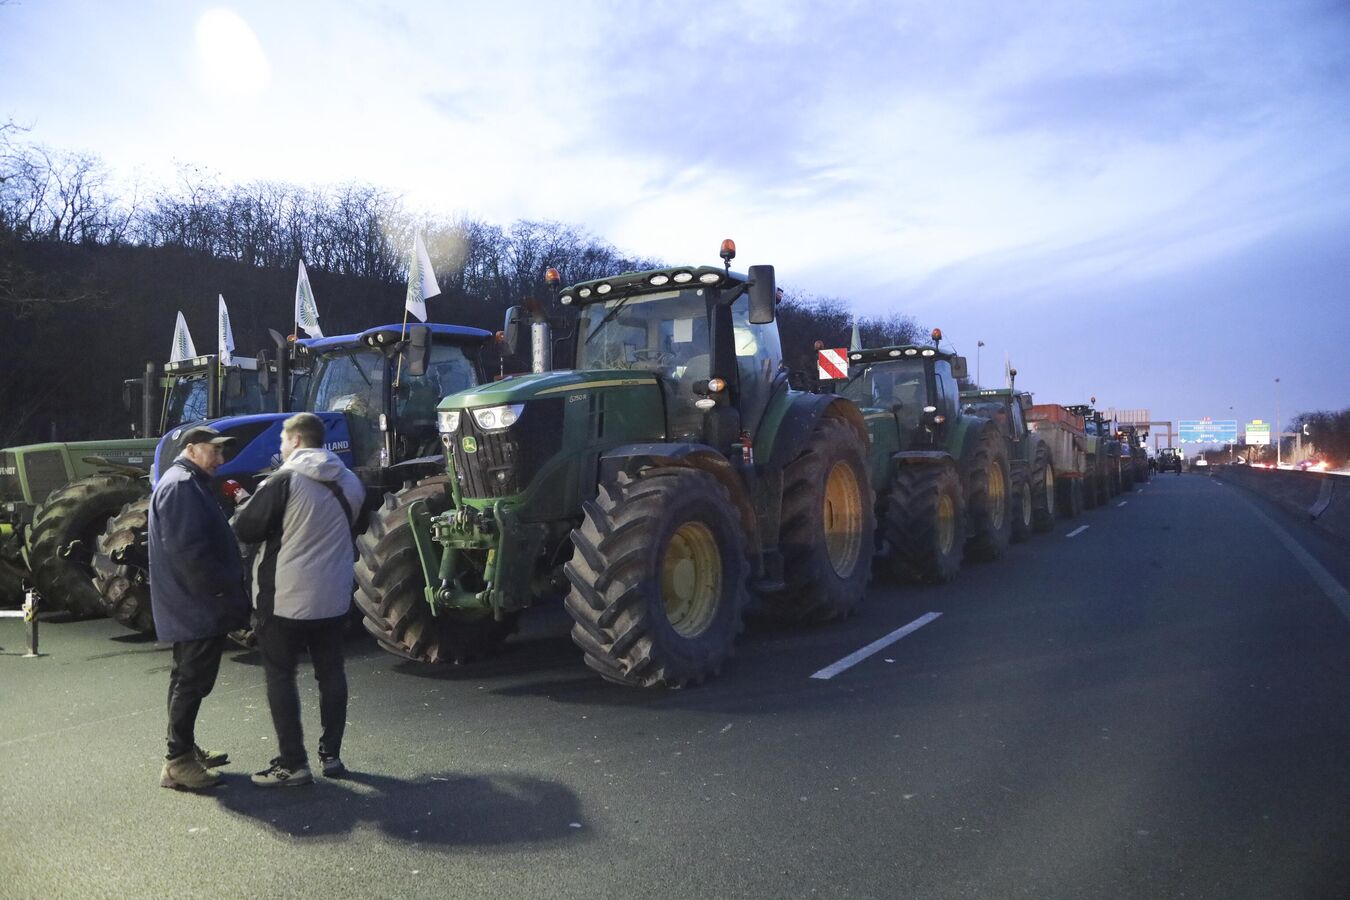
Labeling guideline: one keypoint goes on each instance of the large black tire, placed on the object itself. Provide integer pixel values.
(64, 539)
(389, 588)
(828, 532)
(1022, 503)
(1043, 490)
(1113, 477)
(121, 567)
(658, 574)
(1126, 477)
(925, 523)
(989, 509)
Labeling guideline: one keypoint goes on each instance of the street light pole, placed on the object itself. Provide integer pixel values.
(1279, 430)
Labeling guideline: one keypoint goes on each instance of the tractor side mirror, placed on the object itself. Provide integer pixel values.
(959, 368)
(419, 350)
(264, 372)
(762, 295)
(511, 329)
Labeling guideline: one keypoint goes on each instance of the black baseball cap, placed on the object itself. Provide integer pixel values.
(205, 434)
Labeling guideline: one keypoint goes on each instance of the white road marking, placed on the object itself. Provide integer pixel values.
(1077, 531)
(1122, 503)
(1334, 590)
(858, 656)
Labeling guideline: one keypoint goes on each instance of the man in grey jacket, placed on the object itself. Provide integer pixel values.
(303, 515)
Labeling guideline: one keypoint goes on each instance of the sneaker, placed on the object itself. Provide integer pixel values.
(279, 775)
(332, 766)
(185, 773)
(210, 759)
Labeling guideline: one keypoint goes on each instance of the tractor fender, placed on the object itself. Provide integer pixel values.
(922, 457)
(798, 420)
(633, 458)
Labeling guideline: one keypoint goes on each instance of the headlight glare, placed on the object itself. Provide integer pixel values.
(447, 421)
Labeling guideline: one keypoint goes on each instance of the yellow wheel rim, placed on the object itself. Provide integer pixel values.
(1049, 484)
(843, 517)
(998, 495)
(946, 524)
(691, 578)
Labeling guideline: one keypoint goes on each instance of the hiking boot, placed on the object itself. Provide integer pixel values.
(210, 759)
(185, 773)
(332, 766)
(281, 775)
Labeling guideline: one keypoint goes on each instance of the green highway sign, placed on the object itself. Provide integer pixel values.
(1258, 432)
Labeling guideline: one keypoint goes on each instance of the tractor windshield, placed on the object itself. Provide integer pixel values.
(900, 386)
(187, 401)
(667, 333)
(352, 382)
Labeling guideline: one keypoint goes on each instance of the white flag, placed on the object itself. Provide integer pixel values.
(421, 280)
(224, 334)
(306, 310)
(1007, 369)
(182, 341)
(856, 343)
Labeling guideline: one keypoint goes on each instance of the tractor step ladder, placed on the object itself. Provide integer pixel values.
(29, 615)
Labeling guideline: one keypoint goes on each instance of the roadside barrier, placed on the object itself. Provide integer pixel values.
(29, 615)
(1322, 497)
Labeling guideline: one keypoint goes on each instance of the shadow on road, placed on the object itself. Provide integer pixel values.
(449, 810)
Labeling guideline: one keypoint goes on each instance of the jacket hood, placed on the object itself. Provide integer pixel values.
(316, 463)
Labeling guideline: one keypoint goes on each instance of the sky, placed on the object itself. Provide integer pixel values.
(1144, 202)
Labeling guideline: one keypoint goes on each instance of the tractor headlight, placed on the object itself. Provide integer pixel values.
(447, 421)
(494, 417)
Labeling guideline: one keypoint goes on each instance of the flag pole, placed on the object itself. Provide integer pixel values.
(402, 335)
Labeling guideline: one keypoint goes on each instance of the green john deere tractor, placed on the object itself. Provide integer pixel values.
(56, 498)
(943, 476)
(666, 479)
(1031, 465)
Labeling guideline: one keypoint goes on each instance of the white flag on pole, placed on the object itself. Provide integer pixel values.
(306, 310)
(421, 280)
(1007, 369)
(225, 334)
(182, 341)
(856, 343)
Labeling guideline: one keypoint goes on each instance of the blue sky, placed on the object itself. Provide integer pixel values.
(1146, 202)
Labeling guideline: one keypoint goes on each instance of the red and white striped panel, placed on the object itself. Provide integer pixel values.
(832, 364)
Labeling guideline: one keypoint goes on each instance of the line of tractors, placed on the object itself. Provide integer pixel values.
(657, 469)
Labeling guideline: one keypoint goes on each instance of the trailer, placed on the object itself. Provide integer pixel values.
(1066, 435)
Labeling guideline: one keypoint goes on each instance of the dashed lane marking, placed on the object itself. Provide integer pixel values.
(1077, 531)
(1122, 503)
(858, 656)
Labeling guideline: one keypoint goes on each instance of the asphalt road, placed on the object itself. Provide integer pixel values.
(1157, 706)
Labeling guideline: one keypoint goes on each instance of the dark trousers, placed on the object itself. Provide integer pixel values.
(195, 666)
(281, 642)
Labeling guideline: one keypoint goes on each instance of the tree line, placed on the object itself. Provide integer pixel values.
(92, 273)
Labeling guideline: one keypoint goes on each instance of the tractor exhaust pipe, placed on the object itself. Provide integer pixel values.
(541, 346)
(148, 423)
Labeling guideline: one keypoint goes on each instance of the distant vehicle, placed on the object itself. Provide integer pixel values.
(1169, 458)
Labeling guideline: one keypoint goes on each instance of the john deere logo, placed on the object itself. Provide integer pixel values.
(470, 444)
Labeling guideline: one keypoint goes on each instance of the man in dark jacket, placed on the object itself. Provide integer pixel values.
(197, 597)
(303, 515)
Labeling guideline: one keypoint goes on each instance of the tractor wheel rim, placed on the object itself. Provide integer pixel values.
(1049, 482)
(998, 496)
(843, 519)
(691, 579)
(946, 524)
(1026, 504)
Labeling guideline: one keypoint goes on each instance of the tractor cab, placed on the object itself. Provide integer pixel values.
(706, 335)
(917, 385)
(386, 386)
(1005, 407)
